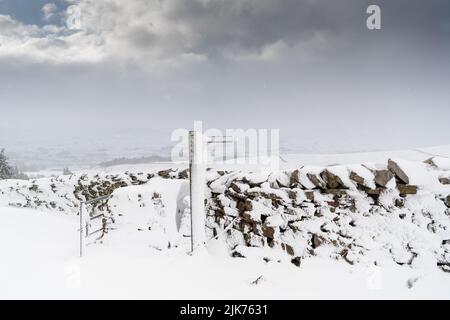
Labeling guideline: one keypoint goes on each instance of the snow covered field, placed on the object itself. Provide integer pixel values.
(40, 260)
(39, 248)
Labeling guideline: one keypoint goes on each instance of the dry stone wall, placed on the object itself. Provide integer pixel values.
(359, 213)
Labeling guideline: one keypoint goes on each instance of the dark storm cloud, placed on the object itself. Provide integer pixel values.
(254, 24)
(311, 68)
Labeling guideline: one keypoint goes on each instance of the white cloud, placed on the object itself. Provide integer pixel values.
(158, 34)
(49, 10)
(50, 43)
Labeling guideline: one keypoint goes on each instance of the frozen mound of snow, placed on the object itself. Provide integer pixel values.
(151, 215)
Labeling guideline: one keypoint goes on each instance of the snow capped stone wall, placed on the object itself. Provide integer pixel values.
(371, 214)
(64, 193)
(359, 213)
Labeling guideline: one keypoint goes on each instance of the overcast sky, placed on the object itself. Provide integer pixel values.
(310, 68)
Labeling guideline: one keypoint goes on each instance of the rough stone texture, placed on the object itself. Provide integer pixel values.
(289, 250)
(165, 173)
(184, 174)
(357, 178)
(345, 255)
(268, 232)
(430, 162)
(295, 179)
(336, 192)
(444, 181)
(397, 171)
(315, 180)
(332, 181)
(309, 195)
(316, 241)
(382, 177)
(407, 189)
(374, 192)
(400, 203)
(238, 187)
(297, 261)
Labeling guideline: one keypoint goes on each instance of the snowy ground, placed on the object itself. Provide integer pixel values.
(40, 260)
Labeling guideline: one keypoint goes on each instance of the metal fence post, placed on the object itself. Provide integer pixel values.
(82, 229)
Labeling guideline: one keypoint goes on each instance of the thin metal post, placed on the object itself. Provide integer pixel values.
(82, 227)
(191, 157)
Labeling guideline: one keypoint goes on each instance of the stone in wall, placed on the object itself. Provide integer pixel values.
(357, 178)
(316, 181)
(407, 189)
(332, 181)
(398, 172)
(383, 177)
